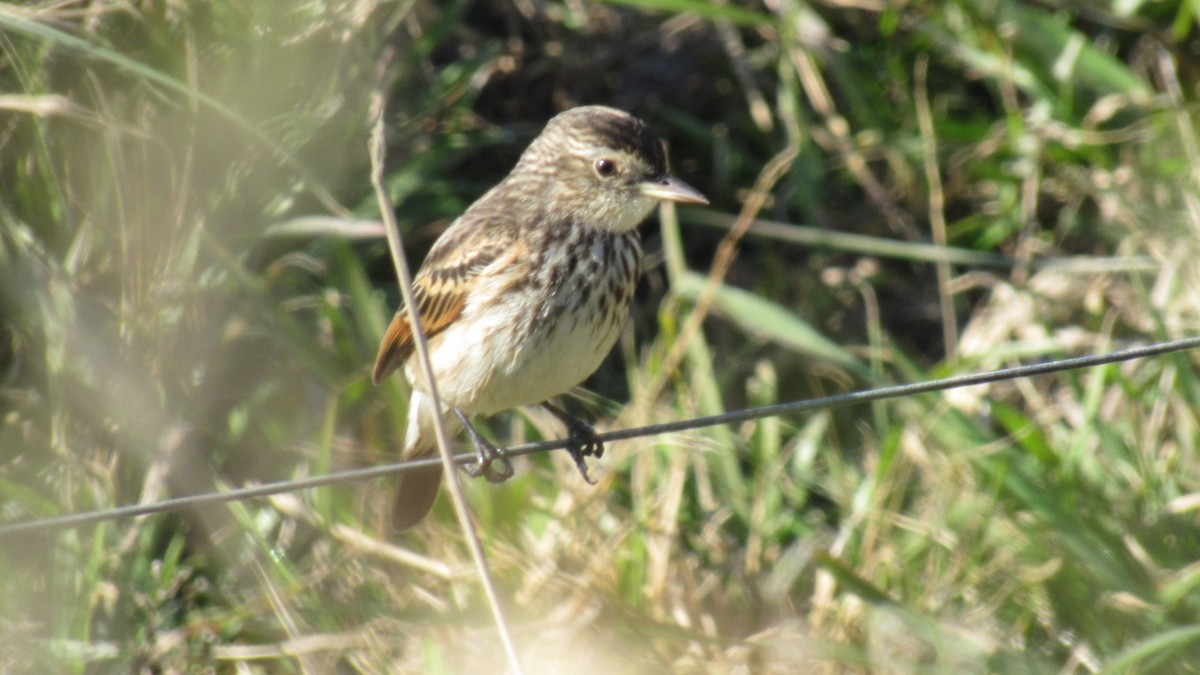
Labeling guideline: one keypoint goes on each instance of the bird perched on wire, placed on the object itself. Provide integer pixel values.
(524, 294)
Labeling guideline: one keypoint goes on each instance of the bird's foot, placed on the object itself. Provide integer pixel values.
(486, 454)
(582, 440)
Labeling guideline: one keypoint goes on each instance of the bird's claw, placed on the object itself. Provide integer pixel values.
(582, 441)
(486, 455)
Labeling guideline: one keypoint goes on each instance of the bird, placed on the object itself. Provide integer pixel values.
(526, 292)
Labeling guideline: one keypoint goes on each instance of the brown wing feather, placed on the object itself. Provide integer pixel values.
(439, 305)
(441, 288)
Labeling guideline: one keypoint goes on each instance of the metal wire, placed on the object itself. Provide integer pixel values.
(810, 405)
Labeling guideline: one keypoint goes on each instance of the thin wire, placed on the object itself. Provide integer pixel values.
(732, 417)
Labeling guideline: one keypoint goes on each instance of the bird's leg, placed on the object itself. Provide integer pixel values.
(486, 453)
(582, 440)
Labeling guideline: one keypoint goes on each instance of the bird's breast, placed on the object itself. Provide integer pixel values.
(522, 341)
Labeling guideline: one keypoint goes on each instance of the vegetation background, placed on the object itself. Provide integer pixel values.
(193, 282)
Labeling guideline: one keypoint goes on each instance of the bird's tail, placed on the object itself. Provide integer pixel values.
(417, 490)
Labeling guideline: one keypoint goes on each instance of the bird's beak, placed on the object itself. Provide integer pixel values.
(671, 189)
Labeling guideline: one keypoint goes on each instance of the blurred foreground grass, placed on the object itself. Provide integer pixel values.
(192, 285)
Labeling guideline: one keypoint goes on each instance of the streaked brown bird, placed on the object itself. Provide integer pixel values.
(524, 295)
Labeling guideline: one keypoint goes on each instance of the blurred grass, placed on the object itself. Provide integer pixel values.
(185, 303)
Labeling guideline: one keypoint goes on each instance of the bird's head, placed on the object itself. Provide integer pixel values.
(601, 166)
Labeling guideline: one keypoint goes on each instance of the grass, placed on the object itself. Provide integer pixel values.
(192, 288)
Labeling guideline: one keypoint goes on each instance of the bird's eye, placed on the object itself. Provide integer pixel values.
(606, 167)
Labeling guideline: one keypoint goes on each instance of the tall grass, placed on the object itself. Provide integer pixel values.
(192, 285)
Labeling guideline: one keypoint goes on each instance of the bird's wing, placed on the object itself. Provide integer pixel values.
(461, 258)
